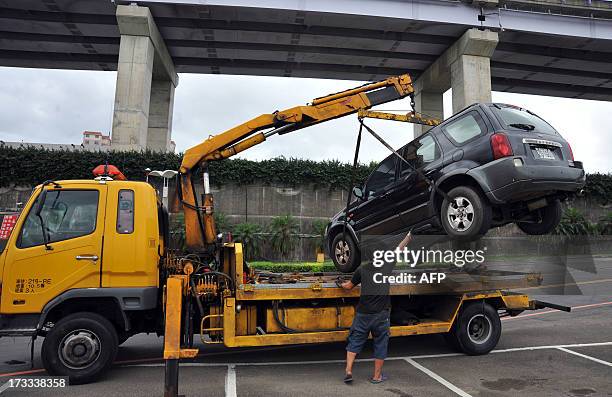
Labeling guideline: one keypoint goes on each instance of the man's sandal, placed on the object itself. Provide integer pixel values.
(377, 381)
(348, 378)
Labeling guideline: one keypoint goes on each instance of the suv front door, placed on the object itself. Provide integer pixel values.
(35, 273)
(375, 213)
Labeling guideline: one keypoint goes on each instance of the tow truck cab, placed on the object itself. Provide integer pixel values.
(92, 246)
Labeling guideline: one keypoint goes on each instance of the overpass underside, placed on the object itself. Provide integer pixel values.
(536, 47)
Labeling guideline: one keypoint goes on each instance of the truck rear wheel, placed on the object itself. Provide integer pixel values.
(81, 346)
(476, 330)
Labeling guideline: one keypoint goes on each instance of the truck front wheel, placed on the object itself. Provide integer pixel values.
(476, 330)
(81, 346)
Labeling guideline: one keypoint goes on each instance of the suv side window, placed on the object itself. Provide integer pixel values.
(66, 213)
(383, 176)
(465, 127)
(419, 153)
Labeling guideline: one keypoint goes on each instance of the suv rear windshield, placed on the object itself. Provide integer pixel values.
(521, 119)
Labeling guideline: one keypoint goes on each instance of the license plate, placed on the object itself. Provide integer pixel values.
(544, 153)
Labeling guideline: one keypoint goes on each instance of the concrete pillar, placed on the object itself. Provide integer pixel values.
(429, 103)
(471, 68)
(160, 115)
(464, 67)
(144, 94)
(132, 93)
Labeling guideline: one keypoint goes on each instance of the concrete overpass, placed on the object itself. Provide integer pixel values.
(547, 47)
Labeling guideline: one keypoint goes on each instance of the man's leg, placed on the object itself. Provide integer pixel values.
(358, 336)
(380, 336)
(378, 365)
(350, 359)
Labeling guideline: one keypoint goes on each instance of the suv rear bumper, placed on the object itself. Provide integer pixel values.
(503, 182)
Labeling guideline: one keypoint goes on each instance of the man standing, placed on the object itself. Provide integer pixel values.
(372, 315)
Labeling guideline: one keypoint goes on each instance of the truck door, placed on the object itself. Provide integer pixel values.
(34, 272)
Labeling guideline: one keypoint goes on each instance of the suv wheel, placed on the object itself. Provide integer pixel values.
(344, 253)
(549, 218)
(465, 214)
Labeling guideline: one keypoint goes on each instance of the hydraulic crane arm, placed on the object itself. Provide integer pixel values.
(199, 223)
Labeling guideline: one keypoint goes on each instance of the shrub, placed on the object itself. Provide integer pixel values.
(248, 235)
(284, 231)
(604, 225)
(221, 222)
(573, 223)
(318, 228)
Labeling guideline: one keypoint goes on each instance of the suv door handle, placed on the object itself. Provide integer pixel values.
(93, 258)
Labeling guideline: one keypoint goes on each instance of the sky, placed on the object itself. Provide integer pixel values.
(56, 106)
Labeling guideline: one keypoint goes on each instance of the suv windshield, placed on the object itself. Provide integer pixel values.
(521, 119)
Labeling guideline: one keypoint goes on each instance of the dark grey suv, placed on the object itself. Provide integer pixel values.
(487, 166)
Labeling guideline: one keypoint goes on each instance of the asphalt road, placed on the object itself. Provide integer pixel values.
(543, 353)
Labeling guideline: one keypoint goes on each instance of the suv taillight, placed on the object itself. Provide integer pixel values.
(571, 151)
(501, 146)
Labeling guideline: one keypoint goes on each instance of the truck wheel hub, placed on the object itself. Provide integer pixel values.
(79, 349)
(479, 329)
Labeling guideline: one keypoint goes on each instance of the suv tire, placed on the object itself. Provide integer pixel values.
(550, 216)
(344, 253)
(81, 346)
(465, 214)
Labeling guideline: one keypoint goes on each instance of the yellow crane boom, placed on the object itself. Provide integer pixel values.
(199, 223)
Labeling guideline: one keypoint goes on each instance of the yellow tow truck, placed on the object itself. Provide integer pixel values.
(88, 265)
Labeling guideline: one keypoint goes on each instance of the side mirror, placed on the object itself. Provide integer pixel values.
(357, 192)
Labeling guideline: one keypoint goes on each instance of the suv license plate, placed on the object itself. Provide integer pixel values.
(544, 153)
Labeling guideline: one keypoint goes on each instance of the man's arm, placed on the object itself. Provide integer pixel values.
(405, 241)
(348, 285)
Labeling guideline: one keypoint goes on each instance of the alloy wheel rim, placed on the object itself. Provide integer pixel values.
(342, 252)
(460, 214)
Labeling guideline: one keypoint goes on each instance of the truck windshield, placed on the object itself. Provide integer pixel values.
(521, 119)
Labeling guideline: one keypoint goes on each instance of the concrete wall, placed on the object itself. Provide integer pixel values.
(259, 203)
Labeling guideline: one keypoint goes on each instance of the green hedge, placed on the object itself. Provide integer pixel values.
(29, 166)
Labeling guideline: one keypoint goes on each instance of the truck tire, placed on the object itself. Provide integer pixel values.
(476, 330)
(344, 253)
(465, 214)
(549, 218)
(81, 346)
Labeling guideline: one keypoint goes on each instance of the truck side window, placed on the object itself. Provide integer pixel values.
(66, 213)
(125, 212)
(419, 153)
(465, 127)
(382, 176)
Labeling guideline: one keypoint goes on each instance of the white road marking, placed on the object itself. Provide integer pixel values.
(438, 378)
(609, 364)
(230, 381)
(442, 355)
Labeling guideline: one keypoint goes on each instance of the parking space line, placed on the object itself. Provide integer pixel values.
(342, 361)
(609, 364)
(230, 381)
(438, 378)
